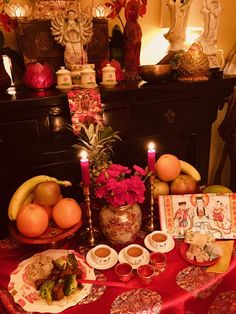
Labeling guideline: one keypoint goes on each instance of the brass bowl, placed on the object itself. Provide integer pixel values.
(155, 73)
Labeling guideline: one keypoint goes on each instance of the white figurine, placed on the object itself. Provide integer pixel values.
(179, 12)
(211, 11)
(73, 29)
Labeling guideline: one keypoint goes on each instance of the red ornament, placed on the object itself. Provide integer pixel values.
(39, 76)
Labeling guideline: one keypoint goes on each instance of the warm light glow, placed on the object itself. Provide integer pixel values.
(192, 33)
(155, 46)
(84, 155)
(17, 10)
(100, 11)
(151, 147)
(8, 66)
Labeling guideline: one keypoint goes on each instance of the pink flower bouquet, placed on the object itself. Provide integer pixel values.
(118, 186)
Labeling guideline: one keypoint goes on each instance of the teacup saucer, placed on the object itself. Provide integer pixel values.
(122, 258)
(111, 263)
(168, 248)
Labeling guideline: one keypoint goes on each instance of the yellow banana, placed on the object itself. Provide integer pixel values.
(29, 199)
(189, 169)
(25, 189)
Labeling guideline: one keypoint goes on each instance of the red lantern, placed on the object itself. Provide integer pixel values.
(38, 76)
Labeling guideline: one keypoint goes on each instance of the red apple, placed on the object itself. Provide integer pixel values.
(184, 184)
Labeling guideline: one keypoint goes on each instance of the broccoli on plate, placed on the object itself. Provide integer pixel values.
(46, 290)
(70, 284)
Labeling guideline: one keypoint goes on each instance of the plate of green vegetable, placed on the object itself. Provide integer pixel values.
(48, 281)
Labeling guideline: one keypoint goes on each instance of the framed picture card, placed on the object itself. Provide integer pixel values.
(214, 213)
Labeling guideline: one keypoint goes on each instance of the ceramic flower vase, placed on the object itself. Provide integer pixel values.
(120, 225)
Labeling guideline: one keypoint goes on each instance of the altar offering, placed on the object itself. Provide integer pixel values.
(206, 213)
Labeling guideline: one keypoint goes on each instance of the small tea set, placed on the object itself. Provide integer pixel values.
(134, 257)
(84, 76)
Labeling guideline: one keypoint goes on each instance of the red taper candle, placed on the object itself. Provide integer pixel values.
(151, 157)
(84, 163)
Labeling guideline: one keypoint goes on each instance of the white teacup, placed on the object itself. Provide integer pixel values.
(158, 239)
(134, 253)
(101, 254)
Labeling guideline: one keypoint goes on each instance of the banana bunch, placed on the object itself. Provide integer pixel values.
(190, 170)
(24, 194)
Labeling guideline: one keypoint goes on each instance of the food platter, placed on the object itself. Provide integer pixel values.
(183, 249)
(51, 235)
(25, 294)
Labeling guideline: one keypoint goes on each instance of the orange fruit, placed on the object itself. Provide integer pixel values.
(32, 220)
(66, 213)
(47, 193)
(168, 167)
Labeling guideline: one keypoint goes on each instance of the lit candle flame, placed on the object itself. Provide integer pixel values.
(151, 146)
(84, 155)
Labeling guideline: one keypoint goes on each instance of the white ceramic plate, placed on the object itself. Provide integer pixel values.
(168, 248)
(111, 263)
(25, 294)
(122, 258)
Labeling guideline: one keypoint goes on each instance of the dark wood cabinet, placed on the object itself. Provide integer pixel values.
(35, 139)
(176, 116)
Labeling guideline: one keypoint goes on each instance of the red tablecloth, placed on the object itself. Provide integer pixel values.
(183, 288)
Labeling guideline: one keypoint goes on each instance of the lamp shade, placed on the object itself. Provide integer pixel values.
(18, 10)
(38, 76)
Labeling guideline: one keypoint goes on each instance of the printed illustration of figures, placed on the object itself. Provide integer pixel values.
(205, 213)
(220, 218)
(181, 217)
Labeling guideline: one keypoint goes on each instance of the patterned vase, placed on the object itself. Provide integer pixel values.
(120, 225)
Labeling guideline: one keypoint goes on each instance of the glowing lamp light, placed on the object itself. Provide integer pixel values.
(18, 11)
(100, 11)
(38, 76)
(151, 157)
(84, 164)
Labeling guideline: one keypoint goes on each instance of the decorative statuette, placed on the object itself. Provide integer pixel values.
(73, 29)
(193, 65)
(179, 13)
(211, 11)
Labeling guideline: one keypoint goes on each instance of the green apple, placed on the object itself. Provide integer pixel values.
(216, 188)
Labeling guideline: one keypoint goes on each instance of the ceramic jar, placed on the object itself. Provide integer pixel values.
(88, 76)
(64, 78)
(108, 75)
(76, 74)
(120, 225)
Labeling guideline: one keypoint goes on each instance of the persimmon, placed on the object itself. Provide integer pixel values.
(168, 167)
(66, 213)
(32, 220)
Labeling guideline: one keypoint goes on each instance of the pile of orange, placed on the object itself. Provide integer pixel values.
(48, 203)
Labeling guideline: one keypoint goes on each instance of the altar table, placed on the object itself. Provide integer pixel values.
(183, 288)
